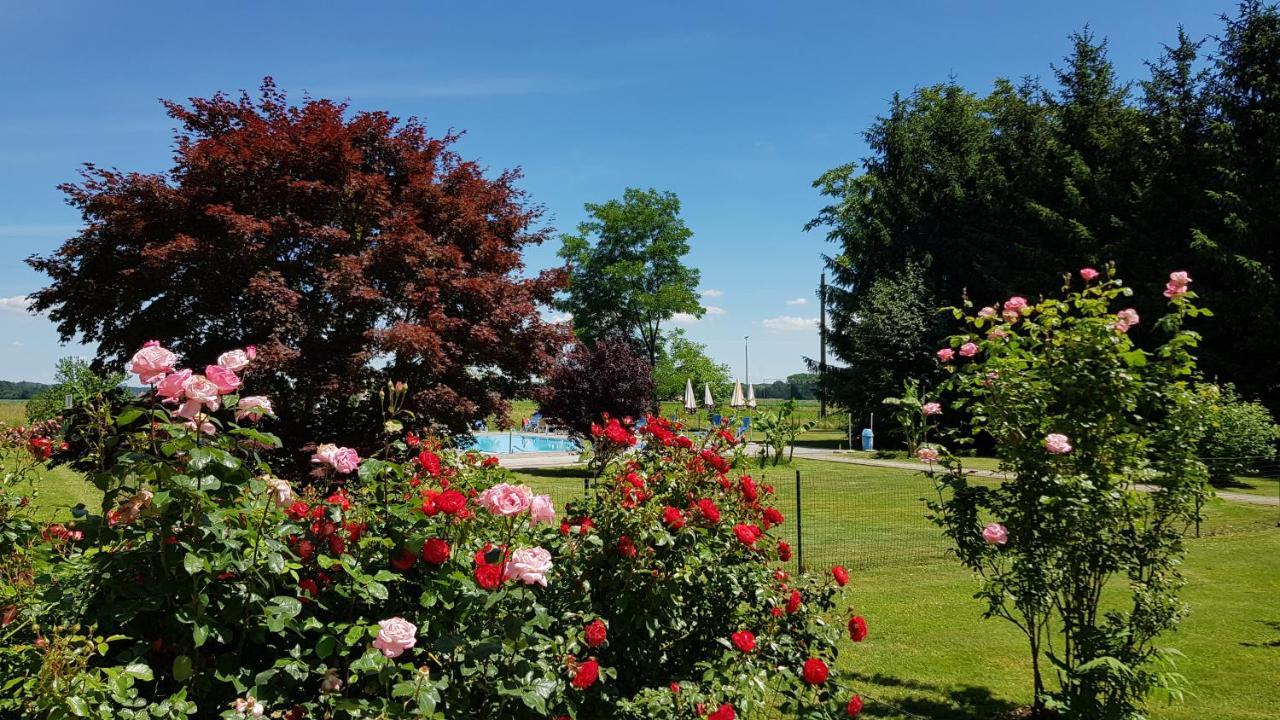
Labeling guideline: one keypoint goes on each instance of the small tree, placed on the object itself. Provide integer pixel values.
(607, 377)
(1100, 438)
(633, 278)
(76, 378)
(681, 360)
(1242, 434)
(780, 428)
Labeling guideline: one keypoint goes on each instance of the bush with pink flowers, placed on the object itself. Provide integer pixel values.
(418, 582)
(1099, 436)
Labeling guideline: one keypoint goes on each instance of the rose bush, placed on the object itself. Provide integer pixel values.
(416, 582)
(1099, 437)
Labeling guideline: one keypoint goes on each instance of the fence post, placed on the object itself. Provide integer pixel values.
(799, 527)
(1199, 505)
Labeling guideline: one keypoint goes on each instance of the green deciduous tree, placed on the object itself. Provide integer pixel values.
(681, 360)
(627, 272)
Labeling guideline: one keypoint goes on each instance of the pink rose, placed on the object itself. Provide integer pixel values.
(997, 334)
(225, 380)
(205, 426)
(931, 408)
(506, 500)
(249, 708)
(1088, 274)
(170, 388)
(235, 360)
(1013, 308)
(152, 363)
(1125, 319)
(987, 313)
(1177, 285)
(968, 350)
(341, 459)
(928, 455)
(542, 510)
(946, 354)
(395, 635)
(1056, 444)
(253, 407)
(199, 391)
(530, 566)
(995, 534)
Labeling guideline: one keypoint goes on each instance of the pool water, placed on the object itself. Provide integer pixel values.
(505, 443)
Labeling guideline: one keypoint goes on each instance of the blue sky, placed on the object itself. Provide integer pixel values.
(736, 107)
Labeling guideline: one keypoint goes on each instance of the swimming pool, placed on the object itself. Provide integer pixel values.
(506, 443)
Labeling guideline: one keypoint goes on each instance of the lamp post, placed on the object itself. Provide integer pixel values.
(746, 352)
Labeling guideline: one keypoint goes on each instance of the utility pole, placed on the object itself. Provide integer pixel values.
(822, 351)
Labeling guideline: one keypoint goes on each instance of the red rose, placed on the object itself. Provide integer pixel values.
(748, 487)
(595, 633)
(744, 640)
(308, 587)
(724, 712)
(41, 448)
(317, 512)
(586, 675)
(672, 518)
(489, 462)
(436, 551)
(626, 547)
(854, 708)
(403, 560)
(339, 498)
(675, 687)
(684, 441)
(815, 671)
(451, 501)
(429, 503)
(784, 551)
(336, 545)
(488, 577)
(841, 575)
(794, 602)
(298, 510)
(857, 628)
(747, 534)
(773, 516)
(305, 550)
(430, 462)
(775, 611)
(411, 440)
(708, 508)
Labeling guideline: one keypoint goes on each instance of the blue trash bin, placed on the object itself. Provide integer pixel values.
(868, 439)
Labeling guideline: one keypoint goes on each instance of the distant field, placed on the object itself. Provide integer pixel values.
(13, 411)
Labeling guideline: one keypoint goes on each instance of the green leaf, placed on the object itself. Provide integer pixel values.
(193, 564)
(128, 416)
(200, 634)
(325, 647)
(182, 669)
(78, 706)
(139, 670)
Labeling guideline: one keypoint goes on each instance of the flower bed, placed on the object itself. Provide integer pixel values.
(417, 582)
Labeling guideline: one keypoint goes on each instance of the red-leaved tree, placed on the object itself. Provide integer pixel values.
(347, 246)
(607, 377)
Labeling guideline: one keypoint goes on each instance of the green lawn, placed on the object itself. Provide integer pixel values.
(13, 412)
(932, 655)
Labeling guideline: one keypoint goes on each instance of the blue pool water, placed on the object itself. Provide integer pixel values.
(504, 443)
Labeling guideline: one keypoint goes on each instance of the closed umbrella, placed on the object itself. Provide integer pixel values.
(736, 400)
(690, 403)
(751, 396)
(707, 400)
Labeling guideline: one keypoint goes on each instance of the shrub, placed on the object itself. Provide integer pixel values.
(75, 378)
(1242, 434)
(415, 582)
(1101, 437)
(602, 378)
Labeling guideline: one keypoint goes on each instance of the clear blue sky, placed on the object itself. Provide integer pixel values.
(736, 107)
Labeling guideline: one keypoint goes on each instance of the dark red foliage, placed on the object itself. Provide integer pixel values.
(605, 378)
(326, 238)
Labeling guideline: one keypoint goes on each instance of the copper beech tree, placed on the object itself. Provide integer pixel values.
(349, 247)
